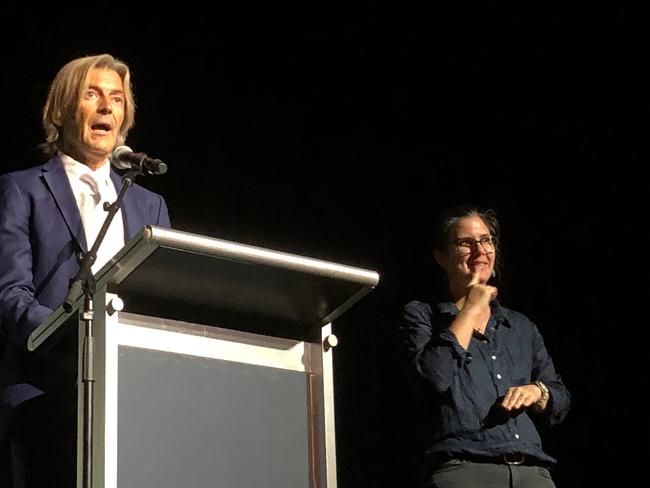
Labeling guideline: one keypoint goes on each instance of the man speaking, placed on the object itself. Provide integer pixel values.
(49, 214)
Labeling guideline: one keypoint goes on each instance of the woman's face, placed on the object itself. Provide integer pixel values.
(470, 250)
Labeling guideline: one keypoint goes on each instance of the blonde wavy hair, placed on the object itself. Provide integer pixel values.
(66, 89)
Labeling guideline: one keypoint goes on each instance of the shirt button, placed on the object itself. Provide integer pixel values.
(494, 357)
(516, 436)
(498, 376)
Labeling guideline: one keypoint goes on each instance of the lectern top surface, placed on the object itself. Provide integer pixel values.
(179, 275)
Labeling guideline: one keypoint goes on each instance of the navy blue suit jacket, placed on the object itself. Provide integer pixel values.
(40, 235)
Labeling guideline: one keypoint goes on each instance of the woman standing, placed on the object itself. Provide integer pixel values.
(481, 369)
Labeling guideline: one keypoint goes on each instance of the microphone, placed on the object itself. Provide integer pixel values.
(123, 157)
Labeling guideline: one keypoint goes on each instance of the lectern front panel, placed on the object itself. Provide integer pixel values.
(195, 406)
(187, 421)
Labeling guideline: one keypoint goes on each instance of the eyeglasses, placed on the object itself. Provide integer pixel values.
(466, 245)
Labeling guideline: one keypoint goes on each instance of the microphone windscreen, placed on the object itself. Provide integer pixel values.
(118, 158)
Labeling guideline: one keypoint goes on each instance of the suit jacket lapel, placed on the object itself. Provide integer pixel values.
(57, 181)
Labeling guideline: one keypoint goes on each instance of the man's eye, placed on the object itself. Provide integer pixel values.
(465, 243)
(90, 94)
(118, 100)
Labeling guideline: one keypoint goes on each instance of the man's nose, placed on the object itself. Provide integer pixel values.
(105, 106)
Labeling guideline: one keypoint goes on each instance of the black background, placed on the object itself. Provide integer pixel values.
(339, 133)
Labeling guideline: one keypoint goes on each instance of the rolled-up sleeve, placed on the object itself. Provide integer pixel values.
(544, 371)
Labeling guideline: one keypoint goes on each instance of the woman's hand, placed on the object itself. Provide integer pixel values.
(518, 397)
(479, 295)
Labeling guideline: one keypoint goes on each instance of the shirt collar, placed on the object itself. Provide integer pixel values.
(75, 169)
(450, 308)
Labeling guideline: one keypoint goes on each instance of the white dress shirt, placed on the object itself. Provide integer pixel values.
(91, 189)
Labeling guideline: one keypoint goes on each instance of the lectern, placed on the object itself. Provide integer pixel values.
(212, 364)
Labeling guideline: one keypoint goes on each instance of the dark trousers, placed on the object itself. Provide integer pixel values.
(462, 474)
(40, 447)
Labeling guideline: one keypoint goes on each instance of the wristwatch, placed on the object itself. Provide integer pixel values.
(545, 393)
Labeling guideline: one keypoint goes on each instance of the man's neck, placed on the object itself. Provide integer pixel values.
(94, 165)
(93, 161)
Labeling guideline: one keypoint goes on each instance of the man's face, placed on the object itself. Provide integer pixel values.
(92, 135)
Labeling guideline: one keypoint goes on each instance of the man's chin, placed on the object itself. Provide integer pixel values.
(100, 151)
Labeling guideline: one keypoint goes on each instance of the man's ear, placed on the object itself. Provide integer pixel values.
(57, 119)
(440, 258)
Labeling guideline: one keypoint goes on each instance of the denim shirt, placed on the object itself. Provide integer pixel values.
(462, 388)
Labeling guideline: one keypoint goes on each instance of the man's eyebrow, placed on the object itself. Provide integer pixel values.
(98, 88)
(471, 238)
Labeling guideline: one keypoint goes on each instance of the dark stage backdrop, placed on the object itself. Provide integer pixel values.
(339, 134)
